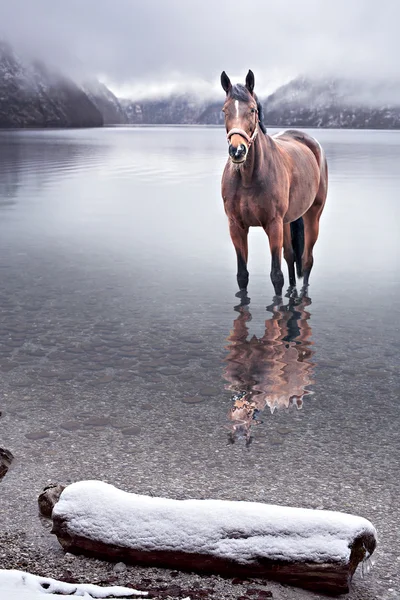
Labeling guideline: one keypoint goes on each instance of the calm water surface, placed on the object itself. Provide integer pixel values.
(124, 354)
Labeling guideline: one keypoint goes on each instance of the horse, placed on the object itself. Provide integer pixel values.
(277, 182)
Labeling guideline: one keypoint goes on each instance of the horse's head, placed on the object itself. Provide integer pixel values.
(243, 114)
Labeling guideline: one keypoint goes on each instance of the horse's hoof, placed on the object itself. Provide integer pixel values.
(291, 292)
(304, 291)
(241, 293)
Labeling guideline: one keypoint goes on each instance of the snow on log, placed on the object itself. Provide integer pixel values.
(18, 585)
(315, 549)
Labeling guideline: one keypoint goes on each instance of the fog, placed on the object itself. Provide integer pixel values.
(162, 46)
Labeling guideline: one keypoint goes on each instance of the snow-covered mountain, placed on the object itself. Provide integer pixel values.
(31, 95)
(342, 103)
(183, 109)
(106, 102)
(304, 102)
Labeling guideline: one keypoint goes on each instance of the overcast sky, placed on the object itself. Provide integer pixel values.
(140, 47)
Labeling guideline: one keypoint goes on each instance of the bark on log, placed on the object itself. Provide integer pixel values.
(240, 539)
(49, 497)
(6, 458)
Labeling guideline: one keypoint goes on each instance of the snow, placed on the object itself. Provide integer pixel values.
(18, 585)
(239, 531)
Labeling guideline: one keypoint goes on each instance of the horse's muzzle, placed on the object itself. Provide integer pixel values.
(238, 153)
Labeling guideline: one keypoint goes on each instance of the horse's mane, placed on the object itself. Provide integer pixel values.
(240, 92)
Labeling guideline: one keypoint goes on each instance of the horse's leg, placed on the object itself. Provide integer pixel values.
(289, 255)
(311, 230)
(275, 236)
(239, 240)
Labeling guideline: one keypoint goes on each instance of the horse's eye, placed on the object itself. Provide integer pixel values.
(253, 110)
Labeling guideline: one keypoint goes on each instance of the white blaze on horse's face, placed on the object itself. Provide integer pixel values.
(237, 108)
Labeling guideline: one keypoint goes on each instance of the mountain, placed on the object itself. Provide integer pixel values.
(31, 95)
(339, 103)
(183, 109)
(304, 102)
(106, 102)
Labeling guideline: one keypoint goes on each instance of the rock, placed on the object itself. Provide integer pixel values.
(37, 435)
(70, 425)
(97, 422)
(6, 458)
(133, 430)
(48, 498)
(120, 567)
(192, 399)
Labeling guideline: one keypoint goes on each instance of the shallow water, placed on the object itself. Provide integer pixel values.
(123, 349)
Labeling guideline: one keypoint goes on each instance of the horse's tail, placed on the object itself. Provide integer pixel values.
(297, 233)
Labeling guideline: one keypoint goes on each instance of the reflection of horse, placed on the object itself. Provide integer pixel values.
(272, 370)
(278, 183)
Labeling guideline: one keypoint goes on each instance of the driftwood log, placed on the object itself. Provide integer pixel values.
(48, 498)
(313, 549)
(6, 459)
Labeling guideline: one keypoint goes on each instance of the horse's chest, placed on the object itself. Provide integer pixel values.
(250, 209)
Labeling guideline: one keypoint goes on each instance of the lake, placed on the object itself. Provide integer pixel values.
(124, 353)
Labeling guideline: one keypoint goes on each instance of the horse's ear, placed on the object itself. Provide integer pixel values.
(250, 81)
(225, 82)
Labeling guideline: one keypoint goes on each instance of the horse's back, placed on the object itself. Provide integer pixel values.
(290, 135)
(306, 140)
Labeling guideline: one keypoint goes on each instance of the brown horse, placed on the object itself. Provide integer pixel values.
(275, 182)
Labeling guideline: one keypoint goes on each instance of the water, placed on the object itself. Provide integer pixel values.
(124, 353)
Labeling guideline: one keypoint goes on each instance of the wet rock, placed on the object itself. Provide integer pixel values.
(21, 383)
(105, 379)
(93, 367)
(276, 441)
(37, 353)
(283, 430)
(6, 458)
(238, 581)
(37, 435)
(192, 399)
(124, 377)
(134, 430)
(65, 377)
(48, 498)
(8, 366)
(255, 592)
(97, 422)
(48, 373)
(70, 425)
(74, 350)
(120, 567)
(168, 371)
(119, 424)
(210, 391)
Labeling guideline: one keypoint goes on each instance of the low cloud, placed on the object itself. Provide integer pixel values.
(145, 48)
